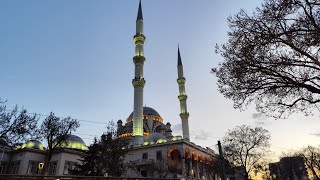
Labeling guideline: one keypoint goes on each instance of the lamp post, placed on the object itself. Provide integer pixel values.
(191, 173)
(40, 167)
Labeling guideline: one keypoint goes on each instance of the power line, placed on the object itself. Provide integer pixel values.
(44, 115)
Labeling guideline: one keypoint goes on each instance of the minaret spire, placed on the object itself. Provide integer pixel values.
(140, 16)
(184, 115)
(138, 82)
(179, 57)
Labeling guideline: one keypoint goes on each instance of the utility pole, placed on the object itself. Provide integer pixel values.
(222, 161)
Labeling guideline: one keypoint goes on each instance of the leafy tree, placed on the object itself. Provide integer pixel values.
(244, 147)
(272, 58)
(105, 156)
(55, 131)
(16, 127)
(88, 162)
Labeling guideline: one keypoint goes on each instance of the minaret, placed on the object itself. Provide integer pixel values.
(184, 115)
(138, 82)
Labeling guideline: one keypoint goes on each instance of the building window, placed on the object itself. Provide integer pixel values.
(68, 167)
(145, 156)
(53, 167)
(33, 167)
(159, 156)
(3, 167)
(14, 167)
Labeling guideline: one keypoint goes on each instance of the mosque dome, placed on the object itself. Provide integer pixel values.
(74, 142)
(147, 111)
(32, 144)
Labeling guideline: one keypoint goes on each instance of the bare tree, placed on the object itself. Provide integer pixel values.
(55, 132)
(272, 58)
(16, 127)
(311, 156)
(245, 148)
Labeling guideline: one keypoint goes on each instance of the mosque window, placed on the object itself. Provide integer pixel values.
(15, 166)
(3, 167)
(53, 168)
(31, 167)
(68, 166)
(145, 156)
(159, 156)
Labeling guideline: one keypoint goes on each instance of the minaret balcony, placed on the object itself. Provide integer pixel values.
(181, 80)
(182, 97)
(138, 82)
(184, 115)
(139, 59)
(139, 39)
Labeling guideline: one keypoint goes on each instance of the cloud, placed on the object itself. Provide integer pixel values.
(256, 115)
(177, 127)
(315, 134)
(202, 135)
(260, 119)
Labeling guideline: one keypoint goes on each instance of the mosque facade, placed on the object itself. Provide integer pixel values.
(152, 139)
(27, 158)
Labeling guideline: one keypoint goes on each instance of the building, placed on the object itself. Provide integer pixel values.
(289, 168)
(27, 158)
(152, 139)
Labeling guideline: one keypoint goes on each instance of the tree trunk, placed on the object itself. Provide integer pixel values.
(246, 176)
(45, 170)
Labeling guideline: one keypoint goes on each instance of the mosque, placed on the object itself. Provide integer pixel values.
(152, 139)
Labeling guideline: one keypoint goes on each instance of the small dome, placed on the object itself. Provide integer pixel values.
(176, 138)
(119, 121)
(74, 142)
(32, 144)
(161, 141)
(168, 124)
(154, 137)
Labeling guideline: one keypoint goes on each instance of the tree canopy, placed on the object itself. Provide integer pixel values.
(105, 156)
(272, 58)
(245, 147)
(16, 126)
(55, 131)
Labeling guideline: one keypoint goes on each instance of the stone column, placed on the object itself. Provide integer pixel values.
(183, 161)
(197, 171)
